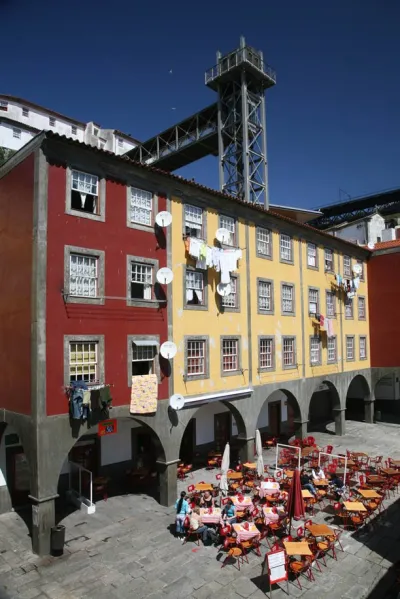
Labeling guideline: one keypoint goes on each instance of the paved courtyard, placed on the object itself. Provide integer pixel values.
(127, 549)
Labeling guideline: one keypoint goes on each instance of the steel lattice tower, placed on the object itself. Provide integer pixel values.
(240, 78)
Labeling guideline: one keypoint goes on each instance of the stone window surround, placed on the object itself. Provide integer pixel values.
(291, 248)
(259, 310)
(362, 264)
(353, 359)
(319, 363)
(351, 299)
(203, 208)
(366, 347)
(358, 307)
(230, 308)
(102, 196)
(265, 256)
(326, 302)
(294, 299)
(100, 256)
(205, 289)
(239, 369)
(273, 367)
(333, 259)
(290, 366)
(349, 257)
(316, 267)
(131, 339)
(148, 187)
(236, 221)
(140, 303)
(197, 377)
(99, 339)
(310, 288)
(328, 361)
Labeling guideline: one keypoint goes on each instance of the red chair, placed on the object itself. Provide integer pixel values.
(218, 476)
(300, 533)
(329, 449)
(224, 500)
(191, 488)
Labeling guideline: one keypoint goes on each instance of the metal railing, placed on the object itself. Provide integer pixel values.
(234, 59)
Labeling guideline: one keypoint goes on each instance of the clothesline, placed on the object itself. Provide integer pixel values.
(222, 260)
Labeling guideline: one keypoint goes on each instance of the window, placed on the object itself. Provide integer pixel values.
(315, 351)
(265, 296)
(25, 111)
(83, 361)
(264, 242)
(330, 304)
(348, 310)
(84, 192)
(83, 277)
(286, 248)
(230, 355)
(194, 288)
(313, 301)
(346, 266)
(141, 206)
(349, 348)
(287, 299)
(363, 348)
(16, 133)
(193, 221)
(362, 269)
(231, 301)
(120, 143)
(331, 345)
(361, 308)
(328, 256)
(3, 105)
(95, 131)
(228, 223)
(196, 358)
(52, 121)
(74, 130)
(143, 357)
(289, 352)
(266, 353)
(141, 284)
(312, 257)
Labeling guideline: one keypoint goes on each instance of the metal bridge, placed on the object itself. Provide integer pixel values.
(234, 128)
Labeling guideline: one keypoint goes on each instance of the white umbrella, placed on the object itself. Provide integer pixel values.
(260, 461)
(226, 458)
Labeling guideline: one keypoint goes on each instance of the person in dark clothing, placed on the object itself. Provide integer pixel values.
(338, 485)
(306, 483)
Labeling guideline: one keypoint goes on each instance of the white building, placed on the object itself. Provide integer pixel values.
(21, 120)
(373, 228)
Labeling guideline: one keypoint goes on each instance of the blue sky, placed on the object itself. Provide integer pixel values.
(333, 119)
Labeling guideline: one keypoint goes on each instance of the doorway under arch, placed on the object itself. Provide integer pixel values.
(324, 400)
(357, 394)
(387, 398)
(15, 475)
(278, 415)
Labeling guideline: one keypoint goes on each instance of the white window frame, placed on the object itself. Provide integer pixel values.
(17, 133)
(315, 351)
(195, 281)
(349, 308)
(265, 294)
(312, 255)
(88, 348)
(141, 207)
(313, 301)
(266, 353)
(286, 248)
(193, 346)
(361, 312)
(230, 355)
(145, 273)
(228, 223)
(74, 130)
(350, 348)
(287, 301)
(144, 353)
(193, 220)
(346, 266)
(363, 355)
(84, 183)
(87, 280)
(331, 348)
(288, 349)
(328, 252)
(264, 242)
(231, 301)
(361, 263)
(330, 304)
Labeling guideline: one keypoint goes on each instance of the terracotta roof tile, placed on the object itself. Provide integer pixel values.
(385, 245)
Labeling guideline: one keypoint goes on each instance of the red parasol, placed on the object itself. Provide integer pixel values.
(295, 504)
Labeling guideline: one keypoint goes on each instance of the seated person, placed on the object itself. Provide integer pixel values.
(206, 499)
(306, 483)
(318, 474)
(196, 524)
(229, 512)
(338, 485)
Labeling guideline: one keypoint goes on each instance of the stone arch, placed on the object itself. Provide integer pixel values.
(386, 391)
(15, 467)
(323, 406)
(358, 399)
(287, 400)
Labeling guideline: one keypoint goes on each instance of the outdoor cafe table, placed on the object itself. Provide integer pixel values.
(243, 534)
(306, 494)
(375, 479)
(390, 472)
(395, 463)
(250, 465)
(297, 548)
(354, 506)
(213, 518)
(321, 483)
(235, 475)
(369, 494)
(320, 530)
(305, 452)
(242, 504)
(359, 454)
(203, 487)
(289, 473)
(267, 487)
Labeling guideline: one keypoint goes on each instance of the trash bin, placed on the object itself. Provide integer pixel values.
(57, 540)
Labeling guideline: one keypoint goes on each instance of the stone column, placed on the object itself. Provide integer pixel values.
(167, 480)
(5, 498)
(300, 429)
(246, 450)
(43, 519)
(340, 421)
(369, 411)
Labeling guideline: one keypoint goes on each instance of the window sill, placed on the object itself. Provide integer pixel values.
(288, 314)
(314, 365)
(265, 370)
(312, 267)
(231, 372)
(77, 299)
(266, 312)
(263, 256)
(284, 261)
(331, 362)
(137, 303)
(228, 309)
(140, 227)
(195, 377)
(195, 307)
(82, 214)
(291, 367)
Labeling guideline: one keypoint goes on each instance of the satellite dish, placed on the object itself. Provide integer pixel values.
(168, 350)
(371, 245)
(164, 275)
(357, 269)
(224, 290)
(176, 401)
(164, 219)
(222, 235)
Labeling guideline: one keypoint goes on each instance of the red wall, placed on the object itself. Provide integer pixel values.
(115, 320)
(16, 222)
(384, 301)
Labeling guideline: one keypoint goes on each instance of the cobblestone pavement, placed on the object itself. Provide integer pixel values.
(127, 549)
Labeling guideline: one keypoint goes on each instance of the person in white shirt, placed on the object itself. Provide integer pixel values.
(318, 474)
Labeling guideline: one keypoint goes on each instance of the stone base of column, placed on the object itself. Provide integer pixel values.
(369, 412)
(5, 500)
(246, 450)
(340, 421)
(43, 519)
(167, 480)
(301, 429)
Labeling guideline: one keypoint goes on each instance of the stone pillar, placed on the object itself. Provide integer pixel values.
(340, 421)
(5, 498)
(369, 411)
(167, 480)
(246, 450)
(43, 519)
(300, 429)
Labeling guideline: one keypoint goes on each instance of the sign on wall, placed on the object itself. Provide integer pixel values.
(108, 427)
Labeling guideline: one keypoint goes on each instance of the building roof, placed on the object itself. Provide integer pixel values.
(124, 158)
(302, 215)
(33, 105)
(387, 245)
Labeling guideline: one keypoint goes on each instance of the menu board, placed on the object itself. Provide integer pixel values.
(276, 564)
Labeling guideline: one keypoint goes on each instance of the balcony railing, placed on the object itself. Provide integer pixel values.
(242, 55)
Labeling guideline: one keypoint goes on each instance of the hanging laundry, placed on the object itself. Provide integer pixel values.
(201, 263)
(203, 250)
(189, 295)
(356, 282)
(105, 397)
(321, 321)
(216, 253)
(144, 394)
(194, 248)
(77, 410)
(209, 257)
(86, 398)
(225, 264)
